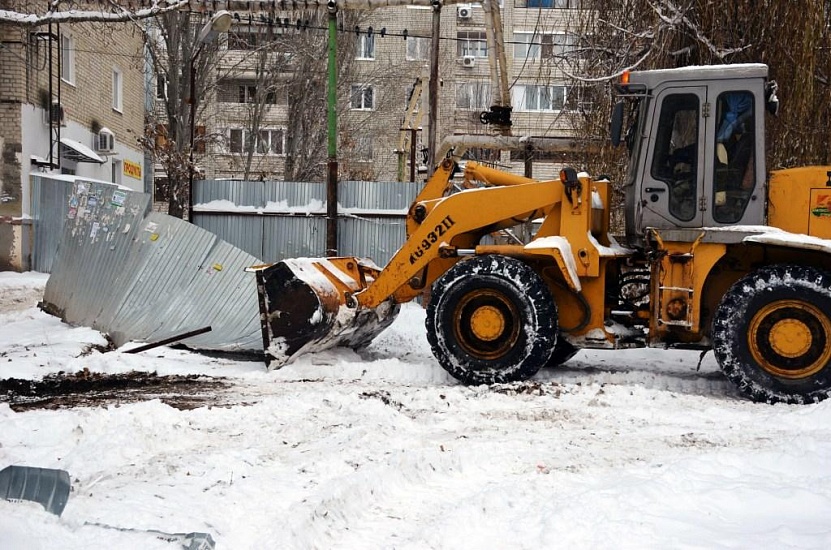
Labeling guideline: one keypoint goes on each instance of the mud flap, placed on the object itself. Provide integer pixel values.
(303, 307)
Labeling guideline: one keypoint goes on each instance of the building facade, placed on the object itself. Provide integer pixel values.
(383, 82)
(72, 101)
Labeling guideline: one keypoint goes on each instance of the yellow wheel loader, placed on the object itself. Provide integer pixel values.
(717, 254)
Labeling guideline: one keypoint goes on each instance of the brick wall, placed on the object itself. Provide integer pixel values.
(24, 81)
(12, 54)
(97, 51)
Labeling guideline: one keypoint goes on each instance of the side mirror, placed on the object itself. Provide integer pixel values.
(771, 100)
(616, 123)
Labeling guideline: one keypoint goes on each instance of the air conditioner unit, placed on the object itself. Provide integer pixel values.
(105, 141)
(56, 115)
(464, 11)
(468, 61)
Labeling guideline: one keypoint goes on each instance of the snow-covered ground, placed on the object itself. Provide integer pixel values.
(625, 449)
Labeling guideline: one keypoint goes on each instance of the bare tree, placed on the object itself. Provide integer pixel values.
(171, 43)
(283, 81)
(646, 34)
(35, 13)
(268, 84)
(652, 34)
(306, 152)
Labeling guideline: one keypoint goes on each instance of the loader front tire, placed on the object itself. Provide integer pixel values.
(772, 334)
(491, 319)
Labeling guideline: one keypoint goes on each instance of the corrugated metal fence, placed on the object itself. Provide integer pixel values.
(278, 219)
(141, 275)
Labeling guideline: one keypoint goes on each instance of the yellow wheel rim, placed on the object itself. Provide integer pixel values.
(486, 324)
(790, 339)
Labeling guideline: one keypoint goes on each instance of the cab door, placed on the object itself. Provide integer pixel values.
(672, 182)
(734, 158)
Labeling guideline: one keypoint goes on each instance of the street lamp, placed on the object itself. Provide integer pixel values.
(219, 23)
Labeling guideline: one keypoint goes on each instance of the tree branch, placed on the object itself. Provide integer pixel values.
(120, 15)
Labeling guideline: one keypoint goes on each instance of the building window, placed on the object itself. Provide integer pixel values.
(161, 189)
(362, 97)
(580, 98)
(118, 85)
(265, 142)
(199, 139)
(255, 37)
(116, 171)
(418, 48)
(473, 43)
(67, 59)
(236, 143)
(236, 91)
(529, 45)
(161, 86)
(473, 96)
(549, 4)
(538, 98)
(248, 94)
(366, 46)
(270, 142)
(272, 43)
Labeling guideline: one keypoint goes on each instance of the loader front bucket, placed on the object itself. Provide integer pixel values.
(303, 307)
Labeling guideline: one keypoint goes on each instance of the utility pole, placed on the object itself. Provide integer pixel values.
(332, 117)
(433, 88)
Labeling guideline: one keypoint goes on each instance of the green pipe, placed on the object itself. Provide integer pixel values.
(332, 163)
(333, 85)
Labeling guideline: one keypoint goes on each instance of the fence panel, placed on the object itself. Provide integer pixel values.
(136, 276)
(140, 276)
(292, 217)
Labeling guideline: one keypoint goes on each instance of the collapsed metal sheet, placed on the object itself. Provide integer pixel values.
(148, 279)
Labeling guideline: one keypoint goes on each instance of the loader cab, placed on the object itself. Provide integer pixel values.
(696, 143)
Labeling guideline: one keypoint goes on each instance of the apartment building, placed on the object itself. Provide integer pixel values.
(72, 101)
(539, 38)
(383, 89)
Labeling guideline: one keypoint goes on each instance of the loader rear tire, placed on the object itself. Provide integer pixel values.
(491, 319)
(772, 334)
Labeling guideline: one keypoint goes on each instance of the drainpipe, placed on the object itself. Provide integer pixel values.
(49, 105)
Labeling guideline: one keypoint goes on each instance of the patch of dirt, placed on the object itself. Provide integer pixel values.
(93, 389)
(529, 387)
(384, 396)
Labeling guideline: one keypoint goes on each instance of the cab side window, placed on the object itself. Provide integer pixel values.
(734, 164)
(675, 157)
